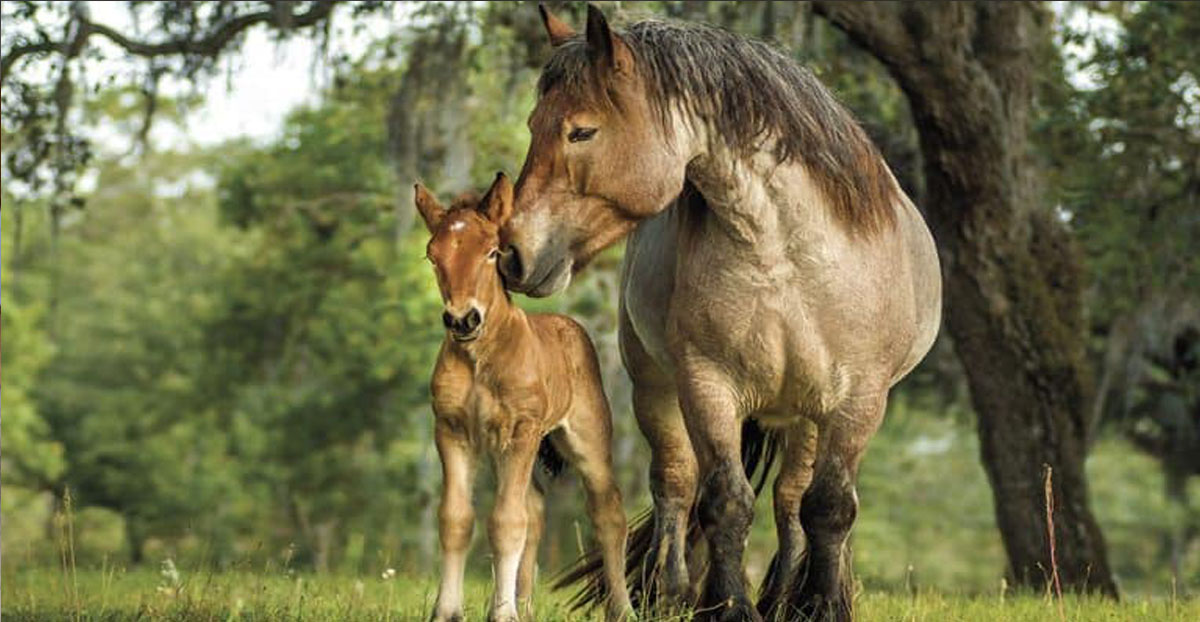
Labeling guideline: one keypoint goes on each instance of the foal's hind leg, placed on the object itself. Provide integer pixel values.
(828, 510)
(795, 474)
(586, 442)
(535, 508)
(726, 505)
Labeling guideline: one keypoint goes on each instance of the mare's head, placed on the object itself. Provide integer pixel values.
(463, 250)
(621, 119)
(599, 160)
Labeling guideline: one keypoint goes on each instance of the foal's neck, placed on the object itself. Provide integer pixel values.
(505, 331)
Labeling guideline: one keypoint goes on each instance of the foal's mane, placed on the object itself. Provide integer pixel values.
(746, 92)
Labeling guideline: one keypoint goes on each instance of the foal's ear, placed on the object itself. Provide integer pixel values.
(557, 29)
(608, 50)
(431, 211)
(497, 203)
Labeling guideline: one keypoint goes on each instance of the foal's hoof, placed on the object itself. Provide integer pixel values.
(503, 616)
(732, 610)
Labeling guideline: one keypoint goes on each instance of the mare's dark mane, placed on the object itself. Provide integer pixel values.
(748, 93)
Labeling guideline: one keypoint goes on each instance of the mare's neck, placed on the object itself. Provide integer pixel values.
(753, 199)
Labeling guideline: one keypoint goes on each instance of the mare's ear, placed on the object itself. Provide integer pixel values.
(556, 29)
(497, 204)
(607, 49)
(431, 211)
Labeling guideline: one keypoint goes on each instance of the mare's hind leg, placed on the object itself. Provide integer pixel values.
(795, 474)
(586, 442)
(714, 415)
(828, 510)
(535, 509)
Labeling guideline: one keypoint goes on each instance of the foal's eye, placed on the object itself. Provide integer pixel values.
(581, 134)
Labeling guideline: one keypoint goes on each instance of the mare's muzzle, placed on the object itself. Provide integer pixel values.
(538, 276)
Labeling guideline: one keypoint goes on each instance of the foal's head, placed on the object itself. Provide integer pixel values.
(463, 250)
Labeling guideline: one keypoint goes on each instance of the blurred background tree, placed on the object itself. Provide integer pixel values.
(223, 351)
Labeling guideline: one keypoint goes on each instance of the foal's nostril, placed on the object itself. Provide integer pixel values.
(471, 321)
(510, 265)
(447, 319)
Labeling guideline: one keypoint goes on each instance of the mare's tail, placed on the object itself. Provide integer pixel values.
(760, 448)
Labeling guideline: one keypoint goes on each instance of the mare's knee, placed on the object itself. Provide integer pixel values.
(727, 499)
(830, 506)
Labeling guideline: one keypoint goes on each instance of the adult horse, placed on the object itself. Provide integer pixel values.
(774, 271)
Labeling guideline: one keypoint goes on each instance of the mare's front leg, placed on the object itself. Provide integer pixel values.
(714, 414)
(662, 577)
(456, 518)
(508, 524)
(830, 505)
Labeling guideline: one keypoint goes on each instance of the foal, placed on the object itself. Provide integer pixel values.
(506, 381)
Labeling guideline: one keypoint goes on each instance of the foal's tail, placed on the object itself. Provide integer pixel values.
(760, 447)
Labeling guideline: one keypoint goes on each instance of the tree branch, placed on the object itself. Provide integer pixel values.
(875, 26)
(210, 45)
(20, 51)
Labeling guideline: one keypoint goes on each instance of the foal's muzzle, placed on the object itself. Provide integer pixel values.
(465, 327)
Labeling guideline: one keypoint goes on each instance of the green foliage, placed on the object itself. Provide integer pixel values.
(1124, 149)
(31, 457)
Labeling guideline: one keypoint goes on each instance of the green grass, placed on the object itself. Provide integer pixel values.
(118, 594)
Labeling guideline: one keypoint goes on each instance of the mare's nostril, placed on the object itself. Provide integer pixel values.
(510, 264)
(471, 321)
(447, 319)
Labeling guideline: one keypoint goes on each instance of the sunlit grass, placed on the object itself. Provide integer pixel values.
(119, 594)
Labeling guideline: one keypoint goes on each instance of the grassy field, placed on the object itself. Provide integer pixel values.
(117, 594)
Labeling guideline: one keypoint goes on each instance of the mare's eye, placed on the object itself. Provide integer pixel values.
(581, 134)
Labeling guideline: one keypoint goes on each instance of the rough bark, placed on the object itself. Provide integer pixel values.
(1011, 277)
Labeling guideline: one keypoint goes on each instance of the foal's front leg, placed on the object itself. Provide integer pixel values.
(509, 521)
(456, 518)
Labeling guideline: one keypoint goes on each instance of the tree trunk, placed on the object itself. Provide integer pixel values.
(1011, 276)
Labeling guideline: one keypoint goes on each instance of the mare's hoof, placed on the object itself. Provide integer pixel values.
(621, 615)
(732, 610)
